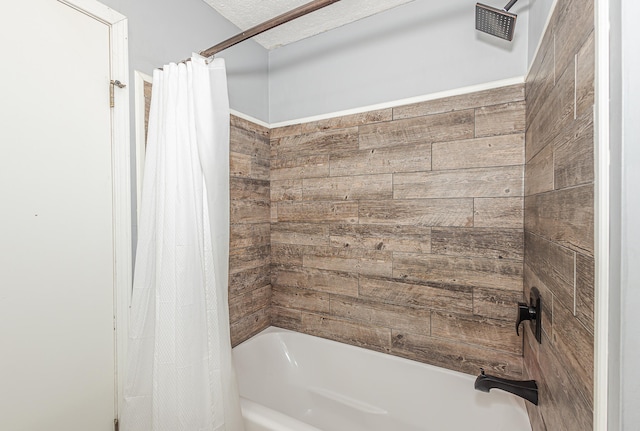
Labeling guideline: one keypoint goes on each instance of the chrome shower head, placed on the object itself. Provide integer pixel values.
(496, 22)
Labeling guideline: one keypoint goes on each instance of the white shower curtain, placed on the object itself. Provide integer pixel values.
(180, 374)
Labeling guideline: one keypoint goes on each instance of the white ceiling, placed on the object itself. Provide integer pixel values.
(248, 13)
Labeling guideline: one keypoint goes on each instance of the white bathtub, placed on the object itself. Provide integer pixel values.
(295, 382)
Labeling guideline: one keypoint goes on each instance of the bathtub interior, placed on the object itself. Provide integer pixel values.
(334, 386)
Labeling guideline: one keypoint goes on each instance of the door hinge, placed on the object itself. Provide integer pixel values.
(116, 425)
(112, 85)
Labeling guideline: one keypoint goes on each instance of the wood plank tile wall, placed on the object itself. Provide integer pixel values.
(401, 230)
(249, 248)
(559, 223)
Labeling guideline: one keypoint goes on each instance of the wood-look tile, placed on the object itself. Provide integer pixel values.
(464, 101)
(247, 235)
(350, 260)
(455, 355)
(286, 318)
(249, 302)
(300, 233)
(410, 239)
(501, 119)
(497, 304)
(286, 190)
(334, 282)
(318, 212)
(505, 150)
(576, 22)
(318, 143)
(419, 130)
(480, 331)
(249, 143)
(273, 148)
(249, 211)
(542, 79)
(249, 326)
(538, 173)
(585, 287)
(342, 122)
(297, 168)
(563, 363)
(248, 279)
(249, 188)
(556, 112)
(563, 404)
(239, 165)
(532, 372)
(463, 271)
(585, 77)
(348, 188)
(300, 299)
(249, 126)
(498, 212)
(574, 158)
(407, 158)
(379, 314)
(359, 119)
(356, 334)
(478, 182)
(288, 254)
(554, 266)
(454, 298)
(241, 259)
(574, 344)
(249, 263)
(478, 242)
(273, 213)
(418, 212)
(563, 216)
(260, 169)
(535, 416)
(292, 130)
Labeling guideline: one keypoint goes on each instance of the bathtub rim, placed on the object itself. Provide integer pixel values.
(277, 330)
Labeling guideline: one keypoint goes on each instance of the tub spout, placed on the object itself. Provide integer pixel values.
(527, 389)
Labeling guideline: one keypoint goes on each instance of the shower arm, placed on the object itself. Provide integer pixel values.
(509, 5)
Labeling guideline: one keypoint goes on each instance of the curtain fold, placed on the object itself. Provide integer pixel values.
(180, 374)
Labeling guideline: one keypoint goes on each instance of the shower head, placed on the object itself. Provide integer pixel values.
(496, 22)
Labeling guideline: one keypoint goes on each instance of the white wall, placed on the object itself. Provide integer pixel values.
(162, 31)
(420, 48)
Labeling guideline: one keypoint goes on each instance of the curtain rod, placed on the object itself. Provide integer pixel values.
(268, 25)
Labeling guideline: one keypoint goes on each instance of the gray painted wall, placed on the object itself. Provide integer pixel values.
(162, 31)
(630, 276)
(420, 48)
(539, 11)
(624, 211)
(614, 418)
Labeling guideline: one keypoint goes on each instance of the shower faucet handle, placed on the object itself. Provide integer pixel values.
(525, 312)
(532, 312)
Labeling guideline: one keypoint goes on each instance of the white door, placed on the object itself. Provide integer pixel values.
(56, 225)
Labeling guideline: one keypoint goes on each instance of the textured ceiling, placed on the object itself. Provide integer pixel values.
(248, 13)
